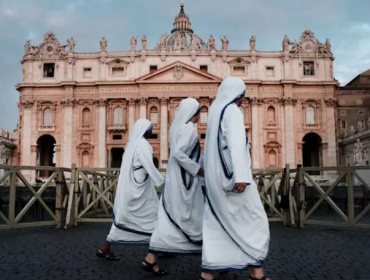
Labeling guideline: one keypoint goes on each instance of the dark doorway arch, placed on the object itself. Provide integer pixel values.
(116, 157)
(45, 153)
(312, 151)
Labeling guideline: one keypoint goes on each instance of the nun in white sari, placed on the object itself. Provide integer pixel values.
(136, 201)
(235, 227)
(180, 213)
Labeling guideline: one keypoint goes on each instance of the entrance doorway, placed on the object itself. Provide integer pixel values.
(45, 153)
(312, 151)
(116, 157)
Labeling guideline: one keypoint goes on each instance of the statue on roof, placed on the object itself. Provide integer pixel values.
(27, 47)
(252, 43)
(286, 43)
(225, 43)
(194, 42)
(163, 42)
(103, 45)
(212, 43)
(143, 43)
(133, 43)
(71, 44)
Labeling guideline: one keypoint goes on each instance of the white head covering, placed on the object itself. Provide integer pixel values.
(188, 108)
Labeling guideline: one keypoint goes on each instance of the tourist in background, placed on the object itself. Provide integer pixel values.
(180, 212)
(136, 200)
(235, 227)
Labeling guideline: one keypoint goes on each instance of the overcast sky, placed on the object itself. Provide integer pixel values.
(345, 22)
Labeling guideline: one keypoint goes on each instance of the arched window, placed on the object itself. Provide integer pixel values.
(203, 115)
(85, 159)
(86, 116)
(310, 115)
(48, 117)
(154, 115)
(271, 115)
(118, 116)
(272, 159)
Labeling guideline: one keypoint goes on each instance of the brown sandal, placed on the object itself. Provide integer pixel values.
(107, 255)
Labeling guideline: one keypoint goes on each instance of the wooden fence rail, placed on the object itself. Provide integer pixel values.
(81, 195)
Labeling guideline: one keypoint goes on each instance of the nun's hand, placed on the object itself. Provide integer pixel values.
(201, 172)
(240, 187)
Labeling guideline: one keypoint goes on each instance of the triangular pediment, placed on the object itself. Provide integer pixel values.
(178, 72)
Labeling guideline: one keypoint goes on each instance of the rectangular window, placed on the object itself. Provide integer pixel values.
(87, 72)
(308, 68)
(153, 68)
(49, 69)
(343, 113)
(118, 71)
(359, 102)
(239, 70)
(117, 137)
(153, 136)
(270, 71)
(154, 117)
(343, 124)
(203, 136)
(203, 117)
(203, 68)
(361, 112)
(342, 102)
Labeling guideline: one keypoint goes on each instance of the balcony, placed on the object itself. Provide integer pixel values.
(43, 128)
(117, 127)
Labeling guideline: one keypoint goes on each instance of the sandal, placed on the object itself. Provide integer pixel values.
(107, 255)
(263, 278)
(149, 267)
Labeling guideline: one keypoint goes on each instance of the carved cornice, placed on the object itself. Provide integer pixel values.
(85, 102)
(27, 104)
(68, 102)
(164, 101)
(330, 102)
(143, 101)
(132, 102)
(255, 101)
(288, 101)
(100, 102)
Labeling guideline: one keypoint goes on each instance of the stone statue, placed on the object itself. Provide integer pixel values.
(103, 45)
(286, 43)
(352, 129)
(360, 125)
(252, 43)
(358, 152)
(143, 43)
(133, 43)
(72, 45)
(163, 42)
(2, 154)
(212, 43)
(27, 47)
(194, 42)
(328, 45)
(225, 43)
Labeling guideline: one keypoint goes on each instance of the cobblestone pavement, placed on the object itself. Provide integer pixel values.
(46, 253)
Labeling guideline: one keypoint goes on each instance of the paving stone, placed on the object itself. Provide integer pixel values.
(45, 253)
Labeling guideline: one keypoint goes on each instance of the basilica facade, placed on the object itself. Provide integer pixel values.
(80, 107)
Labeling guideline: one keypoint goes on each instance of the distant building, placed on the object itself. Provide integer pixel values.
(354, 121)
(79, 107)
(7, 149)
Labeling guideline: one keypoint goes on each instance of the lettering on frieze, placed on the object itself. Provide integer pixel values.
(147, 89)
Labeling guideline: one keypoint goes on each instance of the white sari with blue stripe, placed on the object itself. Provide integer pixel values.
(235, 227)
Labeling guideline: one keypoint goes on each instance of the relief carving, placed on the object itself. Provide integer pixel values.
(164, 101)
(69, 103)
(100, 102)
(27, 104)
(330, 102)
(178, 72)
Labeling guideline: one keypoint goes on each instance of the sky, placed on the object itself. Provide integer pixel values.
(345, 22)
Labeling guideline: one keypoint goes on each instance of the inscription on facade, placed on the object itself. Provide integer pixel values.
(151, 88)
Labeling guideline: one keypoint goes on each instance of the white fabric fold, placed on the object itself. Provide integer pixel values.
(136, 201)
(236, 231)
(179, 228)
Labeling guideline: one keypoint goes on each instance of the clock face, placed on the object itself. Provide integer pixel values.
(308, 47)
(49, 49)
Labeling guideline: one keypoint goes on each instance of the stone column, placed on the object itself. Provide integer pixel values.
(142, 101)
(164, 132)
(26, 136)
(255, 134)
(67, 132)
(330, 132)
(70, 67)
(289, 132)
(131, 114)
(102, 133)
(282, 126)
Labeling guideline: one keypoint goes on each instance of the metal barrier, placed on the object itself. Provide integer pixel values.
(19, 196)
